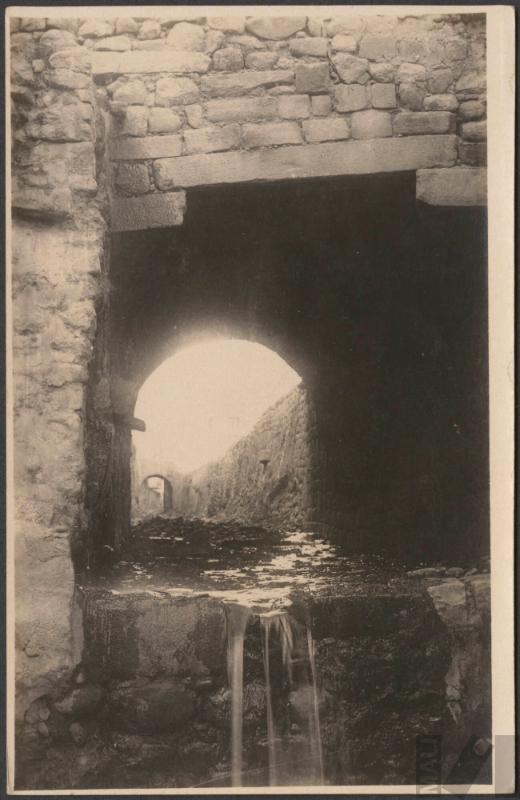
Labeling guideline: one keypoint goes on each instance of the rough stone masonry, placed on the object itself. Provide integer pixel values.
(112, 120)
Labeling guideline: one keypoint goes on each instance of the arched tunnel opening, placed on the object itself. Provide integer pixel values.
(379, 305)
(299, 552)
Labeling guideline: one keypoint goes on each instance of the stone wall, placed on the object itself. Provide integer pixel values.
(180, 92)
(265, 478)
(57, 268)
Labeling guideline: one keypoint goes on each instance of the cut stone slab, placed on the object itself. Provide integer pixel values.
(275, 27)
(308, 161)
(449, 599)
(153, 634)
(411, 122)
(144, 61)
(458, 186)
(244, 82)
(143, 147)
(213, 139)
(158, 210)
(247, 109)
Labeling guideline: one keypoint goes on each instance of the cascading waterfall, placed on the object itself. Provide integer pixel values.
(292, 759)
(238, 617)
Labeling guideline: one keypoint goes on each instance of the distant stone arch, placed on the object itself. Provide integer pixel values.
(167, 495)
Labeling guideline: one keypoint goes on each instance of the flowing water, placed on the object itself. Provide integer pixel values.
(238, 617)
(292, 759)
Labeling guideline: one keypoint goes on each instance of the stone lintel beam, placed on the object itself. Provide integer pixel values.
(158, 210)
(180, 62)
(353, 157)
(458, 186)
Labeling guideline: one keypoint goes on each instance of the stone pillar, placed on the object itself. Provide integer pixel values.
(57, 256)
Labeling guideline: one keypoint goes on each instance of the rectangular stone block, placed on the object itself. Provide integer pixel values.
(326, 130)
(211, 140)
(351, 98)
(457, 186)
(271, 133)
(473, 153)
(244, 82)
(371, 124)
(383, 95)
(410, 123)
(294, 106)
(145, 147)
(307, 161)
(474, 131)
(168, 60)
(245, 109)
(317, 46)
(158, 210)
(312, 78)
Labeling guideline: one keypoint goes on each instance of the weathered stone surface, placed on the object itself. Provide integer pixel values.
(52, 205)
(76, 59)
(473, 153)
(371, 124)
(158, 210)
(343, 42)
(412, 123)
(151, 29)
(169, 60)
(472, 109)
(117, 43)
(243, 82)
(474, 131)
(378, 47)
(307, 161)
(275, 27)
(130, 93)
(96, 29)
(411, 96)
(159, 707)
(32, 23)
(411, 73)
(133, 179)
(194, 115)
(312, 78)
(149, 44)
(61, 123)
(325, 130)
(383, 95)
(294, 106)
(449, 599)
(242, 110)
(471, 84)
(81, 702)
(351, 98)
(321, 105)
(186, 36)
(163, 120)
(227, 24)
(247, 43)
(261, 60)
(211, 140)
(480, 593)
(271, 133)
(212, 41)
(229, 59)
(135, 121)
(145, 147)
(458, 186)
(440, 80)
(383, 73)
(351, 69)
(126, 25)
(54, 40)
(441, 102)
(308, 47)
(67, 79)
(175, 91)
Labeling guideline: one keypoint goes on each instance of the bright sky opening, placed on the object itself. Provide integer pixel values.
(201, 401)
